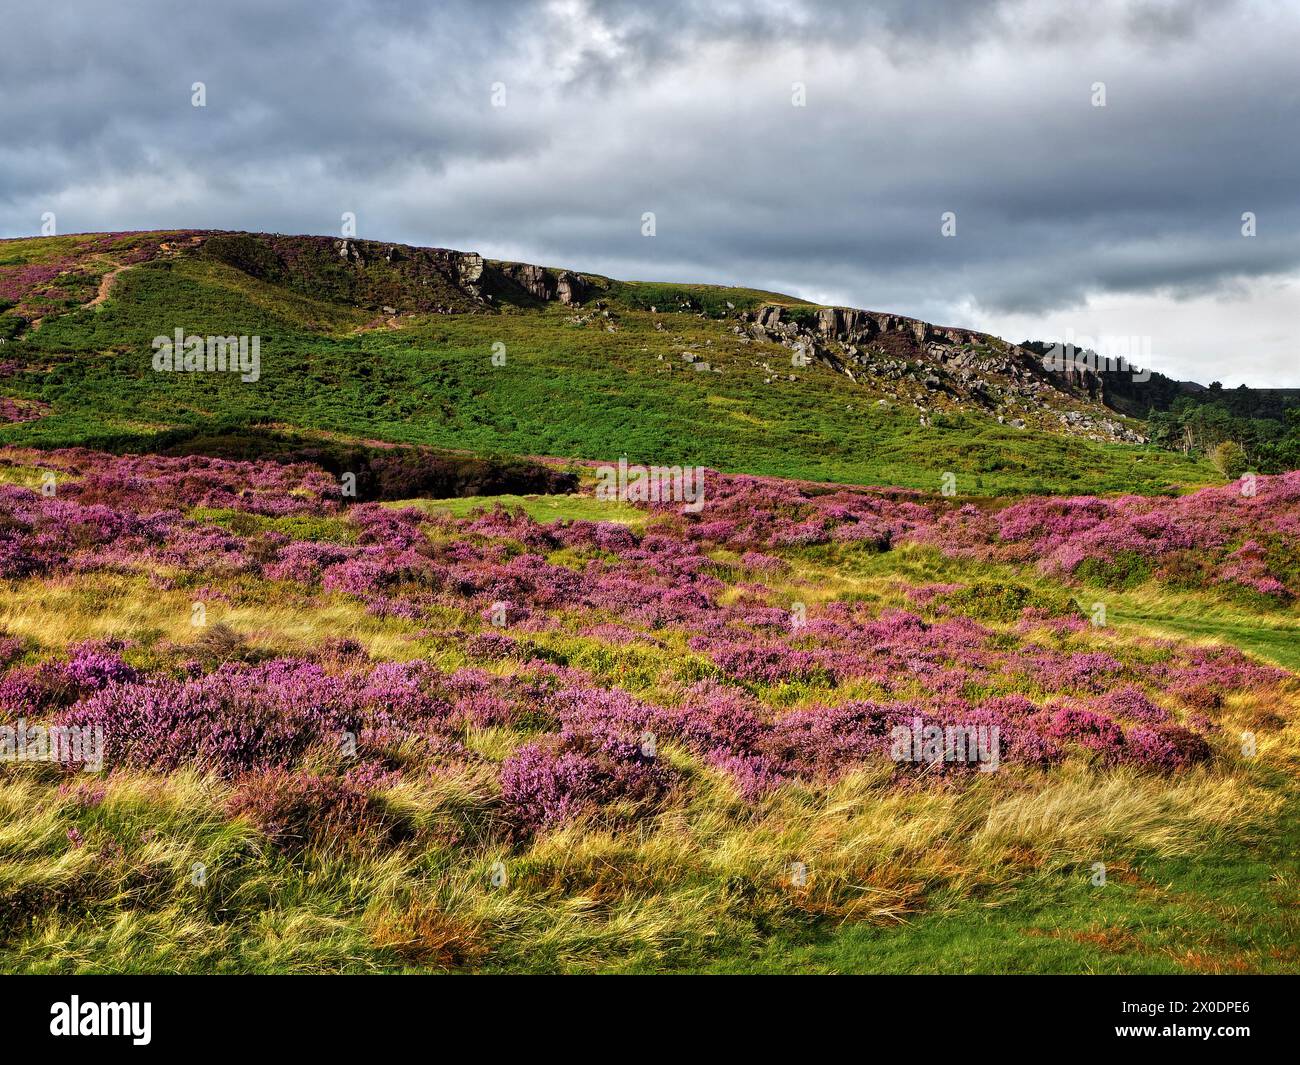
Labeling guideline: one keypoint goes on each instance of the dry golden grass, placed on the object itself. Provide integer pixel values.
(708, 870)
(708, 873)
(55, 612)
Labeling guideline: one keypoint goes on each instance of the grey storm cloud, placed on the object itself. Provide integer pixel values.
(615, 108)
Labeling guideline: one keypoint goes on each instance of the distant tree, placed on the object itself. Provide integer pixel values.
(1229, 458)
(1283, 452)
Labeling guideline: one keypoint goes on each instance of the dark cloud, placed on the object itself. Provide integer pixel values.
(615, 108)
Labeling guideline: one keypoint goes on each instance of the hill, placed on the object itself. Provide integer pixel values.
(388, 342)
(338, 717)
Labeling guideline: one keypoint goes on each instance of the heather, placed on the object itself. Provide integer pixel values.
(450, 728)
(1244, 535)
(517, 586)
(377, 696)
(21, 410)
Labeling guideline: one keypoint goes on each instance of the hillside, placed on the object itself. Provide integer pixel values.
(369, 677)
(578, 735)
(390, 342)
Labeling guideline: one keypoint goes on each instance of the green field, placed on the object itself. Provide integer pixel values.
(568, 386)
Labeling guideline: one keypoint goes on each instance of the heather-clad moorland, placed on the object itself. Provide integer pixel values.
(586, 488)
(559, 732)
(923, 659)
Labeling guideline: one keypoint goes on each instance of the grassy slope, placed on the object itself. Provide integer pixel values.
(1230, 908)
(567, 389)
(1225, 902)
(1201, 873)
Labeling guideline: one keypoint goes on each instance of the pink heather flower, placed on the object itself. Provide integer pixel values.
(555, 779)
(1166, 748)
(1131, 702)
(1088, 729)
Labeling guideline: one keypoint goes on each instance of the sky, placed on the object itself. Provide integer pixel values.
(1047, 170)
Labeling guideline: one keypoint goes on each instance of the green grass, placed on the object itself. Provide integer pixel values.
(714, 300)
(1230, 909)
(295, 526)
(568, 387)
(1278, 643)
(1221, 912)
(1271, 633)
(539, 508)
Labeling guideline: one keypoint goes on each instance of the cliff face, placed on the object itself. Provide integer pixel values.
(543, 284)
(392, 278)
(972, 369)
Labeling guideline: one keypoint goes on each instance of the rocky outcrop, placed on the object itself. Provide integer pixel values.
(570, 289)
(393, 278)
(972, 369)
(351, 251)
(543, 284)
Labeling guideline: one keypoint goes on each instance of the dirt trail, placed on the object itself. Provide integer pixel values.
(105, 286)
